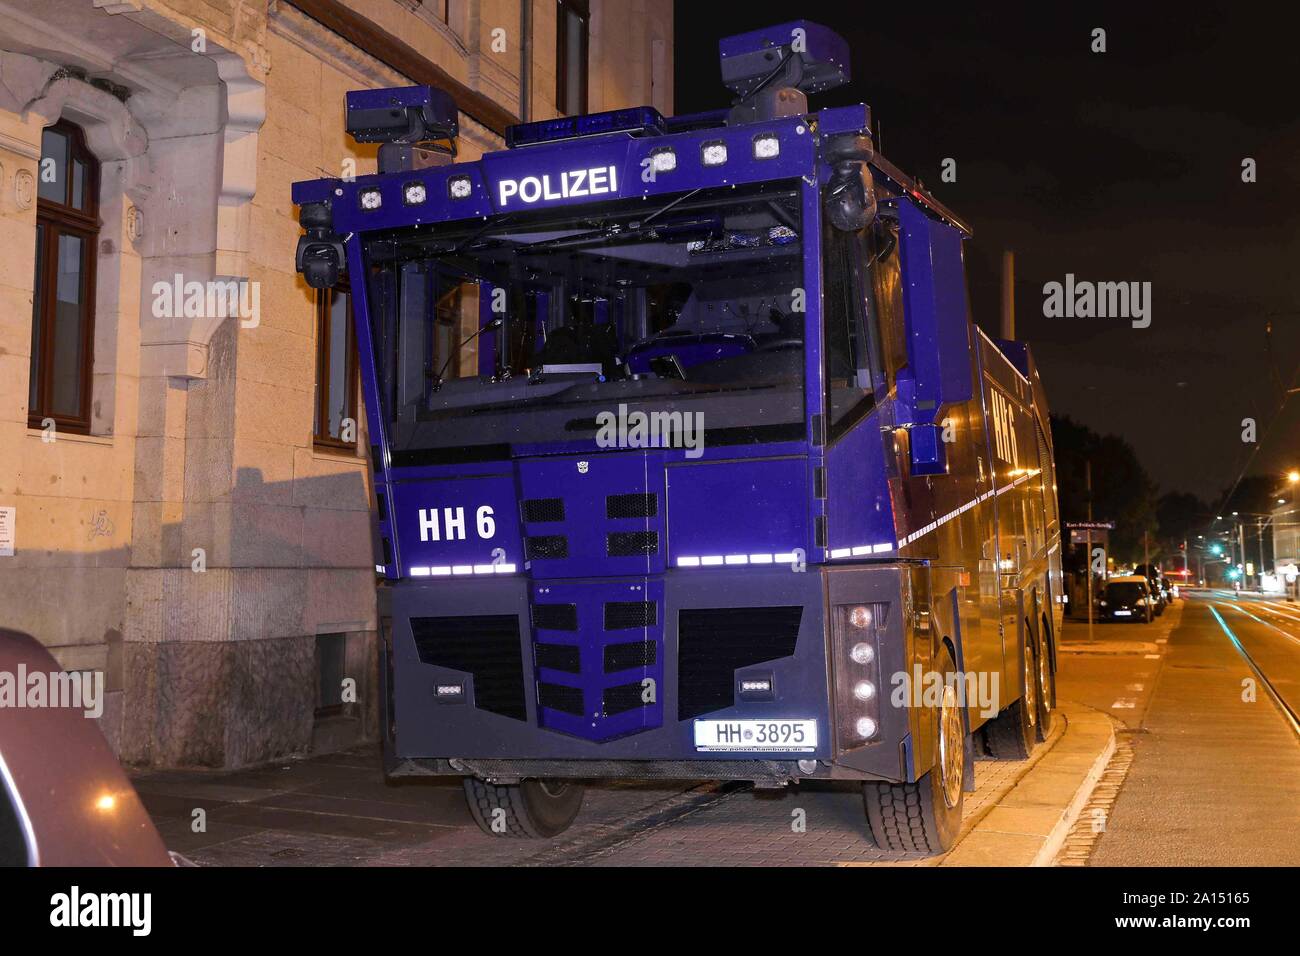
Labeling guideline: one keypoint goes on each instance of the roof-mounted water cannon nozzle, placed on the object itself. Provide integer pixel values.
(772, 70)
(417, 125)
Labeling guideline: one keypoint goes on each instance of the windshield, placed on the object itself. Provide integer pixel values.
(526, 328)
(1125, 592)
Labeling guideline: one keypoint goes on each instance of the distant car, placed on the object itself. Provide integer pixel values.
(64, 799)
(1158, 584)
(1127, 598)
(1159, 595)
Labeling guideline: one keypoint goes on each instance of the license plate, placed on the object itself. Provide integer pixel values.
(786, 736)
(1123, 613)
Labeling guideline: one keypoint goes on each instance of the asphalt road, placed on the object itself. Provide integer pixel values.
(1215, 774)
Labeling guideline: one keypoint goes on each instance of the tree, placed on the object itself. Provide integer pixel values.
(1121, 489)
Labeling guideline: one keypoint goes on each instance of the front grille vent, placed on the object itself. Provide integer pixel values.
(713, 643)
(624, 697)
(622, 657)
(559, 697)
(545, 546)
(558, 657)
(555, 617)
(537, 510)
(624, 544)
(632, 506)
(484, 646)
(621, 615)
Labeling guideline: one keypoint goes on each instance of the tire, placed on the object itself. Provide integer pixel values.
(529, 810)
(925, 817)
(1011, 734)
(1046, 682)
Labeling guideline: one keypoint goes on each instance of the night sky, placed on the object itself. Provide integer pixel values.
(1118, 166)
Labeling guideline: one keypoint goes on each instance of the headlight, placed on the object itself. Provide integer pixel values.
(856, 669)
(370, 199)
(663, 160)
(414, 193)
(713, 153)
(766, 146)
(459, 187)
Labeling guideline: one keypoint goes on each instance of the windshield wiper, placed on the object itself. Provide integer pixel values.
(437, 379)
(608, 232)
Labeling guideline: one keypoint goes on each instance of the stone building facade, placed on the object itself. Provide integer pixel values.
(169, 515)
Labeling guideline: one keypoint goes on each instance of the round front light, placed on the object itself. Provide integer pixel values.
(371, 199)
(866, 727)
(459, 187)
(860, 617)
(862, 653)
(864, 690)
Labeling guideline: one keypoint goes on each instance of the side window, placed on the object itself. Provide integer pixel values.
(63, 303)
(851, 374)
(336, 370)
(887, 297)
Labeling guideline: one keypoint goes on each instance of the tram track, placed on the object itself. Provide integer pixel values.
(1289, 712)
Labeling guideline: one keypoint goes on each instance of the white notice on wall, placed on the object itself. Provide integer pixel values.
(7, 532)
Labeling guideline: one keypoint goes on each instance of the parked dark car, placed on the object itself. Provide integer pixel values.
(64, 799)
(1126, 598)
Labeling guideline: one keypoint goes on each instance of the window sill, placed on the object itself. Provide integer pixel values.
(338, 453)
(38, 434)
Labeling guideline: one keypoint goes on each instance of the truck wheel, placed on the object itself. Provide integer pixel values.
(530, 809)
(925, 817)
(1010, 735)
(1046, 684)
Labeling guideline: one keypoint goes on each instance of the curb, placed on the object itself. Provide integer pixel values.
(1030, 823)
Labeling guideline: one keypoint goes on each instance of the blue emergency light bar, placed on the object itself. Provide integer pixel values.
(637, 120)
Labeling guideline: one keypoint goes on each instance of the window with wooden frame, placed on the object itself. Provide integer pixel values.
(336, 370)
(572, 26)
(63, 293)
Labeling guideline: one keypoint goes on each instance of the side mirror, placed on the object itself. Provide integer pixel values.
(938, 370)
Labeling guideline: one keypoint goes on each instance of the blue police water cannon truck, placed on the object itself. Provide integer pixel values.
(689, 462)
